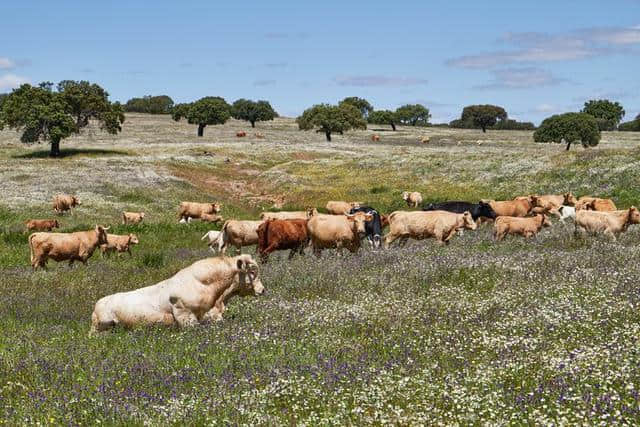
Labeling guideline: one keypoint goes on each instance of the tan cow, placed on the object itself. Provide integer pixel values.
(609, 223)
(375, 138)
(42, 224)
(526, 227)
(337, 231)
(283, 215)
(211, 218)
(413, 199)
(196, 294)
(189, 210)
(132, 217)
(64, 202)
(595, 204)
(520, 206)
(78, 246)
(239, 233)
(425, 139)
(554, 201)
(335, 207)
(423, 224)
(118, 243)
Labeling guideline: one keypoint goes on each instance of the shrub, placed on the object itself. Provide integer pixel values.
(569, 128)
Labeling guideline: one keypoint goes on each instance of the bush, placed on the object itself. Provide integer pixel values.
(513, 125)
(150, 104)
(632, 126)
(569, 128)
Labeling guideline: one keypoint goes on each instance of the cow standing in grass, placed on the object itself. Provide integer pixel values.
(64, 202)
(608, 223)
(526, 227)
(42, 224)
(78, 246)
(193, 210)
(337, 231)
(282, 234)
(420, 225)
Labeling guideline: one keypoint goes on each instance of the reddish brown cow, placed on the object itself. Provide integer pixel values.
(282, 234)
(42, 224)
(241, 134)
(375, 138)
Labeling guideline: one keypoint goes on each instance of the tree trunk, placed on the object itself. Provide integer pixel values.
(253, 123)
(393, 126)
(484, 129)
(568, 145)
(328, 135)
(201, 129)
(55, 148)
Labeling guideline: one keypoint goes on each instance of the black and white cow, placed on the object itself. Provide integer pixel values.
(373, 228)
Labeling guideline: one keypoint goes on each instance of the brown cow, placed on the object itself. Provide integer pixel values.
(42, 224)
(120, 244)
(78, 246)
(337, 231)
(550, 202)
(241, 134)
(211, 218)
(132, 217)
(520, 206)
(189, 210)
(527, 227)
(64, 202)
(413, 199)
(609, 223)
(282, 234)
(239, 233)
(375, 138)
(595, 204)
(422, 224)
(339, 208)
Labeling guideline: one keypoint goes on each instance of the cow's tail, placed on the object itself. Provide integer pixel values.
(205, 235)
(263, 235)
(32, 256)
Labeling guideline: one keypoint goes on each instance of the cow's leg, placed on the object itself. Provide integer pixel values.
(183, 316)
(611, 235)
(388, 239)
(215, 314)
(71, 263)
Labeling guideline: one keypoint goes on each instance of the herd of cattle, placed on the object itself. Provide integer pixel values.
(198, 293)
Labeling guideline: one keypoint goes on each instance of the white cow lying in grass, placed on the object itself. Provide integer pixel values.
(195, 294)
(215, 239)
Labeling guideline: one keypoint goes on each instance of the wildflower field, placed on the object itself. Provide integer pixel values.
(544, 331)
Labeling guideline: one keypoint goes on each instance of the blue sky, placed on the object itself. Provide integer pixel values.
(533, 58)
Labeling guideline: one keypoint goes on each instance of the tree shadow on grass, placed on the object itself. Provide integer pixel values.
(71, 152)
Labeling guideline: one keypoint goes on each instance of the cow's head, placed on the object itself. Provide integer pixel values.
(215, 207)
(405, 196)
(570, 199)
(358, 221)
(311, 212)
(141, 215)
(469, 223)
(247, 277)
(101, 232)
(75, 201)
(485, 210)
(634, 215)
(133, 239)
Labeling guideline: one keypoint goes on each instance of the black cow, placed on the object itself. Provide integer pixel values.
(477, 210)
(373, 228)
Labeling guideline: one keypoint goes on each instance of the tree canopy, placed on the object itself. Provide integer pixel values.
(631, 126)
(413, 114)
(569, 128)
(360, 103)
(253, 111)
(210, 110)
(161, 104)
(608, 114)
(42, 114)
(330, 118)
(482, 116)
(3, 96)
(383, 117)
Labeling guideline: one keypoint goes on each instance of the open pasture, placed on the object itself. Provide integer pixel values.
(539, 331)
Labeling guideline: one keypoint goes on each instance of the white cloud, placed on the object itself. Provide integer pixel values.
(520, 78)
(377, 81)
(10, 81)
(6, 63)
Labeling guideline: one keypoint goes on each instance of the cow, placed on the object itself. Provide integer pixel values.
(520, 206)
(419, 225)
(595, 204)
(526, 227)
(373, 228)
(211, 218)
(64, 202)
(425, 139)
(118, 243)
(282, 234)
(553, 201)
(610, 223)
(241, 134)
(132, 217)
(189, 210)
(196, 294)
(477, 210)
(340, 208)
(78, 246)
(284, 215)
(337, 231)
(413, 199)
(239, 233)
(375, 138)
(214, 239)
(42, 224)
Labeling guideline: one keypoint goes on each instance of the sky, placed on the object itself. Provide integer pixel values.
(534, 58)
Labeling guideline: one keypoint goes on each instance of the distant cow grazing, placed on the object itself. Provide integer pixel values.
(118, 243)
(477, 210)
(42, 224)
(420, 225)
(609, 223)
(526, 227)
(196, 294)
(214, 239)
(282, 234)
(373, 228)
(64, 202)
(335, 207)
(337, 231)
(241, 134)
(375, 138)
(132, 217)
(239, 234)
(78, 246)
(413, 199)
(192, 210)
